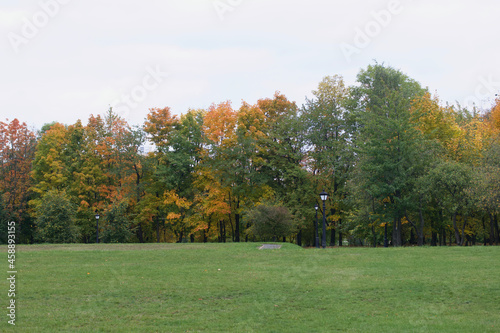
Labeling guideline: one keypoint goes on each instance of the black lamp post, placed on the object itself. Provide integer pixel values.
(386, 241)
(324, 196)
(97, 226)
(316, 237)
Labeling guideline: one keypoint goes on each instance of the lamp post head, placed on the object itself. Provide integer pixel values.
(324, 196)
(97, 216)
(316, 206)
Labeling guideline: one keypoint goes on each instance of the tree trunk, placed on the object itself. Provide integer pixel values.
(219, 226)
(237, 222)
(497, 236)
(140, 234)
(374, 236)
(224, 232)
(340, 232)
(157, 229)
(442, 232)
(400, 232)
(332, 237)
(237, 227)
(420, 230)
(455, 228)
(386, 240)
(492, 229)
(434, 236)
(485, 240)
(206, 231)
(463, 229)
(232, 227)
(396, 232)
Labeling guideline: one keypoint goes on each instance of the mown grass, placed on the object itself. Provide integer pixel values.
(238, 288)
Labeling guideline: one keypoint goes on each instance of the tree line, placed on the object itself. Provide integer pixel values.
(400, 169)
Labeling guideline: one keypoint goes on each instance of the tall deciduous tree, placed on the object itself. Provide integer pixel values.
(284, 156)
(17, 150)
(159, 123)
(330, 132)
(179, 145)
(49, 166)
(486, 189)
(219, 129)
(389, 143)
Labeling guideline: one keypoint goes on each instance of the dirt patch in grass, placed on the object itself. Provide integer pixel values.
(270, 247)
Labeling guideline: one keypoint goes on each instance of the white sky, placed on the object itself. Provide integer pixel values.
(62, 60)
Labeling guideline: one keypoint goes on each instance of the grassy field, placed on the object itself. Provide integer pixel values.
(238, 288)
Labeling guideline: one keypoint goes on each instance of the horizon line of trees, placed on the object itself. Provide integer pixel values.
(396, 163)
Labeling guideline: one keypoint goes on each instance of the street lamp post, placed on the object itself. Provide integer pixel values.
(97, 226)
(316, 237)
(324, 196)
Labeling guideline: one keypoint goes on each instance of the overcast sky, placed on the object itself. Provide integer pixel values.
(62, 60)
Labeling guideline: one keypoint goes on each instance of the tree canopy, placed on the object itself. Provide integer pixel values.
(398, 164)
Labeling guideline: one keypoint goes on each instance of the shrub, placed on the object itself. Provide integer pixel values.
(55, 219)
(116, 225)
(269, 222)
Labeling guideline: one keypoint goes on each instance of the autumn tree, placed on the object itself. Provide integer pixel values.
(244, 159)
(284, 156)
(219, 129)
(158, 125)
(95, 166)
(486, 180)
(49, 169)
(51, 178)
(17, 149)
(172, 192)
(388, 152)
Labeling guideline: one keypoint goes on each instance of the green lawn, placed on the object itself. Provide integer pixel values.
(238, 288)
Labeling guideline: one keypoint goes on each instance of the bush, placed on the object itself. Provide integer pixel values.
(55, 219)
(116, 225)
(269, 222)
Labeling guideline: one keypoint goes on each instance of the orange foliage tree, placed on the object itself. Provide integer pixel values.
(17, 149)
